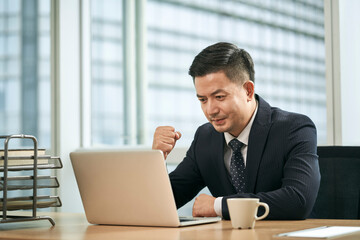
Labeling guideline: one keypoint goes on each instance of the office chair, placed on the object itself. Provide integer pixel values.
(339, 193)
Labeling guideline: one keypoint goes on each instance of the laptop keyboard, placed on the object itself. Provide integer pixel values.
(186, 219)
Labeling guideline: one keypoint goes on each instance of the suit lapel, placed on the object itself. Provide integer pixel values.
(257, 141)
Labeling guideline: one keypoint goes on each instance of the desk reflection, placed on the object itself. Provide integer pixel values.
(207, 231)
(129, 232)
(244, 234)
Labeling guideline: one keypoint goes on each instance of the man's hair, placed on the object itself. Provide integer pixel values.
(236, 63)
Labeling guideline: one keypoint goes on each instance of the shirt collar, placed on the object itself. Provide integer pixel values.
(244, 135)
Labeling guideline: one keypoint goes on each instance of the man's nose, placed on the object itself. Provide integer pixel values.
(212, 108)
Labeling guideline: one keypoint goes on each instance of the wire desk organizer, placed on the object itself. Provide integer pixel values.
(34, 182)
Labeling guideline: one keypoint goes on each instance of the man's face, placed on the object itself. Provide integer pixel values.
(226, 105)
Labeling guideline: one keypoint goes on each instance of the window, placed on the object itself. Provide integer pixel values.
(285, 39)
(107, 73)
(25, 69)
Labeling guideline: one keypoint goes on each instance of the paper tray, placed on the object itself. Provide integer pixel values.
(26, 182)
(23, 203)
(44, 162)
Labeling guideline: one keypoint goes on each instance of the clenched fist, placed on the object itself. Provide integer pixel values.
(165, 138)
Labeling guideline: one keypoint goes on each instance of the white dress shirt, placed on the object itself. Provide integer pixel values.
(244, 138)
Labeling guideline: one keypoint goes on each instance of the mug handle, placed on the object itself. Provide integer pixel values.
(266, 211)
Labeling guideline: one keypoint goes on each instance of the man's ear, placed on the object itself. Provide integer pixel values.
(250, 89)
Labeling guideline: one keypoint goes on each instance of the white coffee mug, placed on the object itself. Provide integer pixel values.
(243, 211)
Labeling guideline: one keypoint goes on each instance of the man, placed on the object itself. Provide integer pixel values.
(248, 149)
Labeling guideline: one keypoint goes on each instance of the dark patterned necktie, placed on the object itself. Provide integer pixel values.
(237, 166)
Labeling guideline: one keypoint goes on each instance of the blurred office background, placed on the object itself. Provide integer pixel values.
(106, 73)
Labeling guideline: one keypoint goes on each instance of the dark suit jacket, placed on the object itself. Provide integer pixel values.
(281, 168)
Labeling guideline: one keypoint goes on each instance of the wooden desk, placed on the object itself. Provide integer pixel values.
(75, 226)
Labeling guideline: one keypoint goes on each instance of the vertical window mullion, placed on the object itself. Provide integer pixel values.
(85, 73)
(141, 71)
(129, 74)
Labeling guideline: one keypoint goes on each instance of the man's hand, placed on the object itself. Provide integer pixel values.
(204, 206)
(165, 138)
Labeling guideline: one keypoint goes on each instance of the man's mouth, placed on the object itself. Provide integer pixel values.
(218, 121)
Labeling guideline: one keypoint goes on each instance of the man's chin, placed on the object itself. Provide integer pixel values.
(220, 129)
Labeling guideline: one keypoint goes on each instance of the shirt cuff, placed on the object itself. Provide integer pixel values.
(217, 206)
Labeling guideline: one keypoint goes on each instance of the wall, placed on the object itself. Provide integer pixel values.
(349, 21)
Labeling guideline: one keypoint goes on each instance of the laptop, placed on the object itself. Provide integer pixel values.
(128, 188)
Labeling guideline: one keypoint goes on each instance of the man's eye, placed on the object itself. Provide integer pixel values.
(202, 100)
(220, 97)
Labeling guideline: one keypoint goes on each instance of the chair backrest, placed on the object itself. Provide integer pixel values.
(339, 193)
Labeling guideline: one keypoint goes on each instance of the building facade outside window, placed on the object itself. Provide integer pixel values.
(25, 91)
(285, 38)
